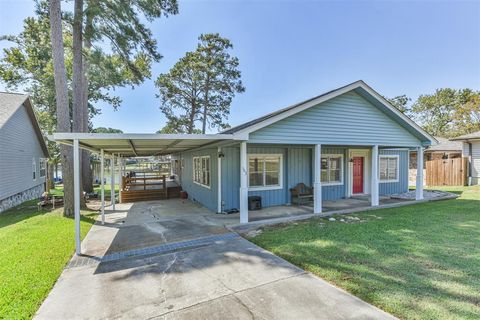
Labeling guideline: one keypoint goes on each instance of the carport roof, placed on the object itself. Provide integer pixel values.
(136, 144)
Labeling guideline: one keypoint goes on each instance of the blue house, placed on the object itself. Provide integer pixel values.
(346, 142)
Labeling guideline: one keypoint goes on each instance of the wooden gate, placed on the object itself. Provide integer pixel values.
(447, 172)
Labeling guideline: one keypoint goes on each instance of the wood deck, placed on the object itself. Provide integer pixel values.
(136, 189)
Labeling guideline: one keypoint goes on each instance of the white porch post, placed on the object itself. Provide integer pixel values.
(76, 194)
(317, 185)
(102, 183)
(120, 166)
(374, 189)
(243, 183)
(112, 181)
(219, 180)
(419, 189)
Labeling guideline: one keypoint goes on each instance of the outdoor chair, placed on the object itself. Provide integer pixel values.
(301, 193)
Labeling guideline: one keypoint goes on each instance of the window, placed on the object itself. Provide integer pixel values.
(388, 168)
(34, 169)
(332, 169)
(201, 170)
(265, 171)
(43, 167)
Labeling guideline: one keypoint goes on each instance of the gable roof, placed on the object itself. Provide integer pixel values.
(470, 136)
(10, 103)
(359, 87)
(445, 145)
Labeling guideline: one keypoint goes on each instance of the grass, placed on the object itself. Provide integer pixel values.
(35, 246)
(416, 262)
(58, 191)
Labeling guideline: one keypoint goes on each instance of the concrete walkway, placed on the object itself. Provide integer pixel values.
(173, 260)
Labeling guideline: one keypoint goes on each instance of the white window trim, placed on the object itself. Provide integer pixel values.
(338, 183)
(280, 178)
(396, 156)
(34, 168)
(44, 161)
(209, 170)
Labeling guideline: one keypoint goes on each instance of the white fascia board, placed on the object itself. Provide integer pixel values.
(398, 113)
(138, 136)
(298, 109)
(309, 104)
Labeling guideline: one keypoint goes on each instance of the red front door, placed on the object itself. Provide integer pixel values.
(357, 175)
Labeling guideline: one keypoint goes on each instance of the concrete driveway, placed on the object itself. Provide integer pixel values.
(174, 260)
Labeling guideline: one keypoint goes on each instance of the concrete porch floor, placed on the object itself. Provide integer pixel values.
(291, 211)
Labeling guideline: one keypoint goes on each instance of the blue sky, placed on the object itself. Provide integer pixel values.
(292, 50)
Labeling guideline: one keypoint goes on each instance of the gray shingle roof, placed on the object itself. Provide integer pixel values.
(474, 135)
(9, 103)
(446, 145)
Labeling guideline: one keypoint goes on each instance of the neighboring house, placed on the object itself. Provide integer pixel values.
(23, 152)
(471, 150)
(346, 124)
(445, 149)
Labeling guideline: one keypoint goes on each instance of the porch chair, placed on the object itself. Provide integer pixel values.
(301, 193)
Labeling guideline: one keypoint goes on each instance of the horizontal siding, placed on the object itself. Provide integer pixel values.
(476, 159)
(347, 119)
(205, 196)
(402, 185)
(18, 146)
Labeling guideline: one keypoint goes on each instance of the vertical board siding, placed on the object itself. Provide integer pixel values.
(231, 178)
(205, 196)
(346, 119)
(19, 144)
(387, 188)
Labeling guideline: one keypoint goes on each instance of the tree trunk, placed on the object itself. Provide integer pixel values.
(62, 104)
(205, 107)
(87, 177)
(77, 80)
(191, 122)
(50, 181)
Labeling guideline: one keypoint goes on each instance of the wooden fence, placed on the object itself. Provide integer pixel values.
(447, 172)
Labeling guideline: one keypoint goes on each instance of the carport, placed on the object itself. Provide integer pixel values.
(119, 146)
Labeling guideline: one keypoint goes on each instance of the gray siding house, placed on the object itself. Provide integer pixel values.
(471, 150)
(23, 152)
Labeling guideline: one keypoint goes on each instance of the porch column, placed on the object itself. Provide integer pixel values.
(76, 194)
(243, 183)
(419, 189)
(317, 185)
(120, 166)
(112, 181)
(102, 183)
(375, 190)
(219, 180)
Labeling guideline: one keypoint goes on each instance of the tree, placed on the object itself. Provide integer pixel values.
(106, 130)
(174, 126)
(467, 114)
(120, 25)
(28, 64)
(61, 97)
(200, 87)
(400, 102)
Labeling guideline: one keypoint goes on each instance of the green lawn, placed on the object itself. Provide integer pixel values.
(35, 246)
(58, 191)
(416, 262)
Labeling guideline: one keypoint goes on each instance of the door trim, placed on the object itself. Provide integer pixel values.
(365, 154)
